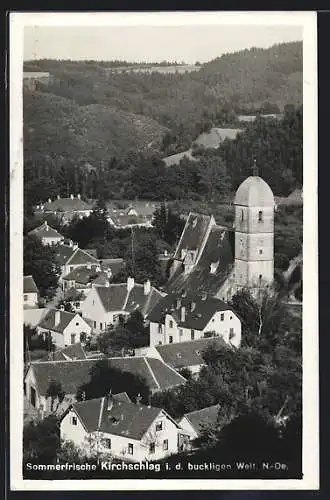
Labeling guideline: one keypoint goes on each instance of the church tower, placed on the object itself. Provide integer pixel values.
(254, 233)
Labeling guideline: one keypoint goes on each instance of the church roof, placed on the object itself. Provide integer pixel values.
(254, 192)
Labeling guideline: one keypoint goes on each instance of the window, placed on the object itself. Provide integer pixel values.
(192, 334)
(231, 333)
(160, 342)
(73, 420)
(93, 302)
(77, 323)
(242, 215)
(26, 298)
(130, 449)
(71, 268)
(24, 388)
(101, 326)
(170, 339)
(171, 323)
(159, 328)
(222, 316)
(152, 447)
(159, 426)
(260, 251)
(260, 277)
(73, 338)
(106, 443)
(231, 317)
(165, 444)
(180, 332)
(260, 219)
(94, 324)
(77, 305)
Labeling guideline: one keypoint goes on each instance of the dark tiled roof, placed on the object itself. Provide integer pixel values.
(67, 205)
(80, 258)
(74, 351)
(123, 419)
(113, 297)
(74, 294)
(129, 220)
(193, 233)
(206, 416)
(91, 251)
(63, 253)
(185, 354)
(29, 285)
(196, 319)
(72, 374)
(81, 274)
(45, 231)
(218, 251)
(48, 322)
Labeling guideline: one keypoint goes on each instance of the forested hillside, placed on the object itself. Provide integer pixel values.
(104, 134)
(185, 103)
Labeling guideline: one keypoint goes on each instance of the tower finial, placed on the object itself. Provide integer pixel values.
(255, 167)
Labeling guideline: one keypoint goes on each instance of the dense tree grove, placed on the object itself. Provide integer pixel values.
(40, 262)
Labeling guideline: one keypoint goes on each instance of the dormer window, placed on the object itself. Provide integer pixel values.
(260, 216)
(179, 355)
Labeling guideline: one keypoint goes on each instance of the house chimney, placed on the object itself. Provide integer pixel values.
(49, 200)
(107, 284)
(147, 287)
(71, 196)
(165, 253)
(192, 306)
(57, 318)
(183, 314)
(62, 307)
(138, 399)
(178, 303)
(121, 416)
(78, 196)
(98, 268)
(58, 197)
(109, 273)
(204, 296)
(109, 401)
(74, 246)
(130, 284)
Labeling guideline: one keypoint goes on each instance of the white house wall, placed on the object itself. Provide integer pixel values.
(30, 299)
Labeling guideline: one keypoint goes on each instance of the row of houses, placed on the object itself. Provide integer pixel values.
(134, 213)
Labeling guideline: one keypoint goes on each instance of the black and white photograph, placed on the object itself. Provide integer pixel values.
(163, 242)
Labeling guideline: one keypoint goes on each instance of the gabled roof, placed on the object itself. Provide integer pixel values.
(67, 205)
(80, 258)
(72, 374)
(45, 231)
(29, 285)
(197, 319)
(82, 274)
(115, 297)
(193, 234)
(71, 352)
(185, 354)
(63, 253)
(48, 322)
(129, 220)
(219, 251)
(206, 416)
(123, 418)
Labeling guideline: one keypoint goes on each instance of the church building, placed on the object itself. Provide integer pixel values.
(219, 261)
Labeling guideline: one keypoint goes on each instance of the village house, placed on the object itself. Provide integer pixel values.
(70, 256)
(195, 421)
(135, 214)
(65, 209)
(105, 304)
(30, 293)
(65, 328)
(114, 426)
(47, 235)
(183, 318)
(82, 278)
(187, 355)
(72, 374)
